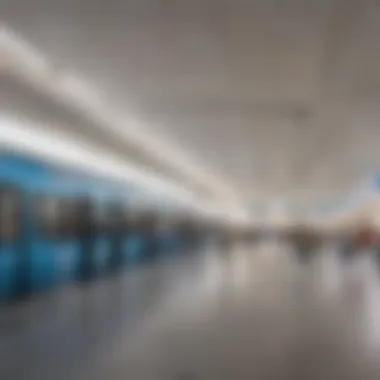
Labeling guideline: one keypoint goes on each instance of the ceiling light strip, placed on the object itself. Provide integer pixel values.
(20, 58)
(62, 149)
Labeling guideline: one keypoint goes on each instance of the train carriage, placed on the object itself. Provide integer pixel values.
(59, 225)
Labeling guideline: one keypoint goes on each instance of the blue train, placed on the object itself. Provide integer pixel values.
(58, 226)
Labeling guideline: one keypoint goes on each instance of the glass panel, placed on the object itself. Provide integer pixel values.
(57, 217)
(86, 219)
(134, 220)
(167, 224)
(115, 217)
(101, 217)
(148, 223)
(10, 205)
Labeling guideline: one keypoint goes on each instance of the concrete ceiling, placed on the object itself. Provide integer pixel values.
(279, 98)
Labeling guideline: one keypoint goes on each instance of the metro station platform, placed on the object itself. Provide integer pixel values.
(254, 314)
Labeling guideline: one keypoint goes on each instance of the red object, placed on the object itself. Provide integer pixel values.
(366, 238)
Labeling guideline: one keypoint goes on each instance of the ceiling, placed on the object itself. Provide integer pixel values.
(276, 98)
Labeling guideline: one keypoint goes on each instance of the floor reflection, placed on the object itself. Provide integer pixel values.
(251, 313)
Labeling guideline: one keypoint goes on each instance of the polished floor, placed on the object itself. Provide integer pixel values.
(252, 314)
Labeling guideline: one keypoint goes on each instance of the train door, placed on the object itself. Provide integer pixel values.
(202, 234)
(133, 240)
(148, 230)
(11, 247)
(182, 234)
(171, 240)
(217, 236)
(102, 241)
(86, 233)
(55, 249)
(117, 232)
(188, 234)
(207, 235)
(166, 235)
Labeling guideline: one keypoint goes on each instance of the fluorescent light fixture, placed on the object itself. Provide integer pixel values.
(61, 149)
(77, 91)
(14, 50)
(24, 60)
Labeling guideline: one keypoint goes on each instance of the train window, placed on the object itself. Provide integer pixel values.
(145, 223)
(166, 225)
(10, 205)
(101, 218)
(122, 218)
(116, 217)
(86, 219)
(148, 223)
(132, 220)
(57, 217)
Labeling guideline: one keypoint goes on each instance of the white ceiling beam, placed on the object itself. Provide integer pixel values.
(63, 149)
(18, 58)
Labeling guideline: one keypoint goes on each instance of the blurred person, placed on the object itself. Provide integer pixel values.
(305, 241)
(366, 236)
